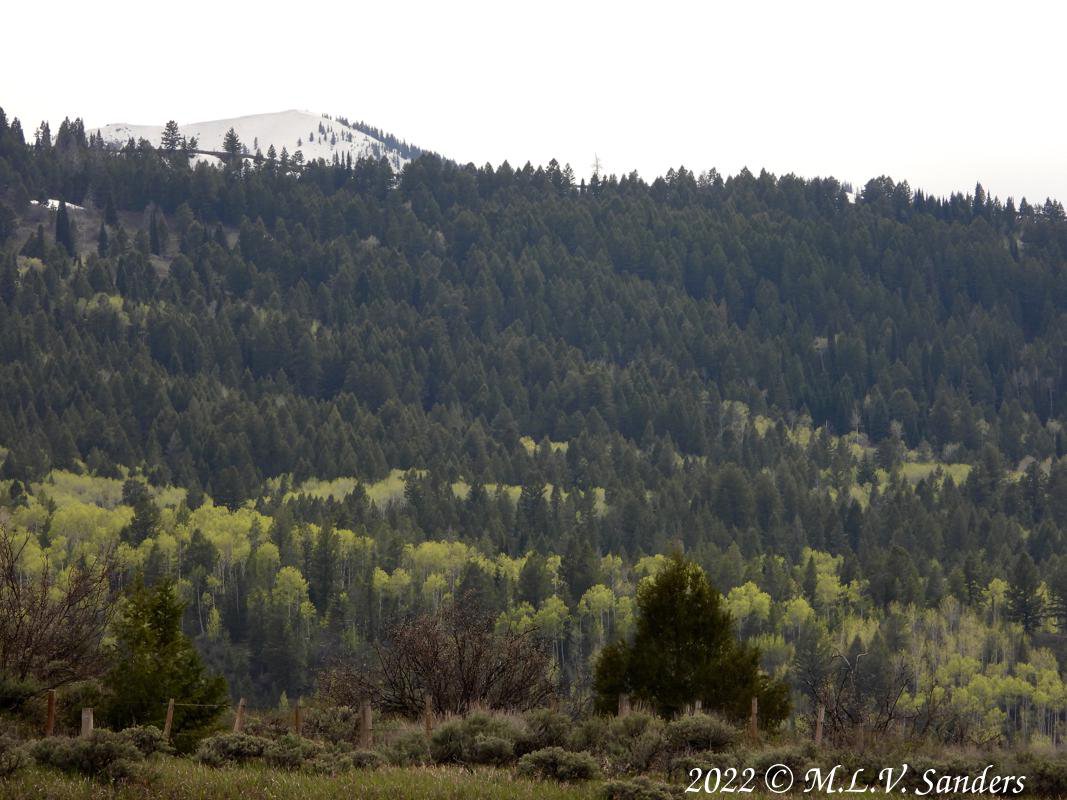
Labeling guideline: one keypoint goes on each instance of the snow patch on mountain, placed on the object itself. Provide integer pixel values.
(314, 135)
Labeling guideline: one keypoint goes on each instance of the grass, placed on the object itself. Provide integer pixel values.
(181, 779)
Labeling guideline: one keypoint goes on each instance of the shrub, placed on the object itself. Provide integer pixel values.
(408, 749)
(332, 723)
(558, 764)
(588, 734)
(12, 756)
(291, 751)
(629, 744)
(72, 699)
(331, 761)
(797, 757)
(15, 693)
(494, 750)
(231, 748)
(268, 725)
(365, 759)
(633, 743)
(1044, 777)
(631, 726)
(707, 732)
(102, 754)
(544, 728)
(641, 788)
(148, 739)
(477, 739)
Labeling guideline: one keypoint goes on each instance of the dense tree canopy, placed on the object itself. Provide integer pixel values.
(371, 390)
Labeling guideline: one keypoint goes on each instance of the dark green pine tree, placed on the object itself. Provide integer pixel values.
(35, 245)
(154, 238)
(146, 515)
(684, 650)
(8, 222)
(111, 214)
(171, 139)
(324, 567)
(64, 229)
(811, 579)
(535, 584)
(154, 663)
(231, 145)
(9, 274)
(102, 240)
(1025, 604)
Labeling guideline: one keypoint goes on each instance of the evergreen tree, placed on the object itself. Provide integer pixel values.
(535, 584)
(8, 280)
(146, 515)
(111, 214)
(231, 145)
(154, 238)
(1025, 604)
(684, 650)
(64, 229)
(171, 139)
(35, 245)
(154, 662)
(8, 222)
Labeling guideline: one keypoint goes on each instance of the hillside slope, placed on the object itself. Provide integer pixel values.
(314, 135)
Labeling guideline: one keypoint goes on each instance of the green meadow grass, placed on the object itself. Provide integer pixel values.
(180, 779)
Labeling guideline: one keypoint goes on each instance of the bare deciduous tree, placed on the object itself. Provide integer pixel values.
(455, 656)
(51, 626)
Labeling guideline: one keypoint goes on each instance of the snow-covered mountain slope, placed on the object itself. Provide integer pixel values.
(314, 135)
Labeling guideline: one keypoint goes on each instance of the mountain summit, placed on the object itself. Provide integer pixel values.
(314, 135)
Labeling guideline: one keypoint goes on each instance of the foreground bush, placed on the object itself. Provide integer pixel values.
(477, 739)
(231, 748)
(102, 754)
(334, 761)
(148, 739)
(558, 764)
(544, 728)
(291, 751)
(331, 723)
(638, 789)
(629, 744)
(12, 756)
(634, 743)
(707, 732)
(1044, 777)
(408, 749)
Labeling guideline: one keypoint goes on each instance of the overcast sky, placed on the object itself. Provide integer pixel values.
(942, 94)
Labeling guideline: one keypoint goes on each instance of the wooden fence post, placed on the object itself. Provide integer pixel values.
(753, 718)
(87, 721)
(298, 720)
(239, 717)
(819, 719)
(50, 723)
(624, 705)
(366, 734)
(169, 721)
(427, 713)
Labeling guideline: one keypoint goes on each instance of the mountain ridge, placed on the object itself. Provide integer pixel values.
(316, 136)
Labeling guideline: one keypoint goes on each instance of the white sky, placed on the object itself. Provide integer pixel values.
(940, 93)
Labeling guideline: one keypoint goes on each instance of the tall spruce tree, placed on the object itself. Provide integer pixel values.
(64, 229)
(154, 663)
(171, 139)
(684, 650)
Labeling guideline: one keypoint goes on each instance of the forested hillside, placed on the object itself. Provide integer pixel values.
(366, 389)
